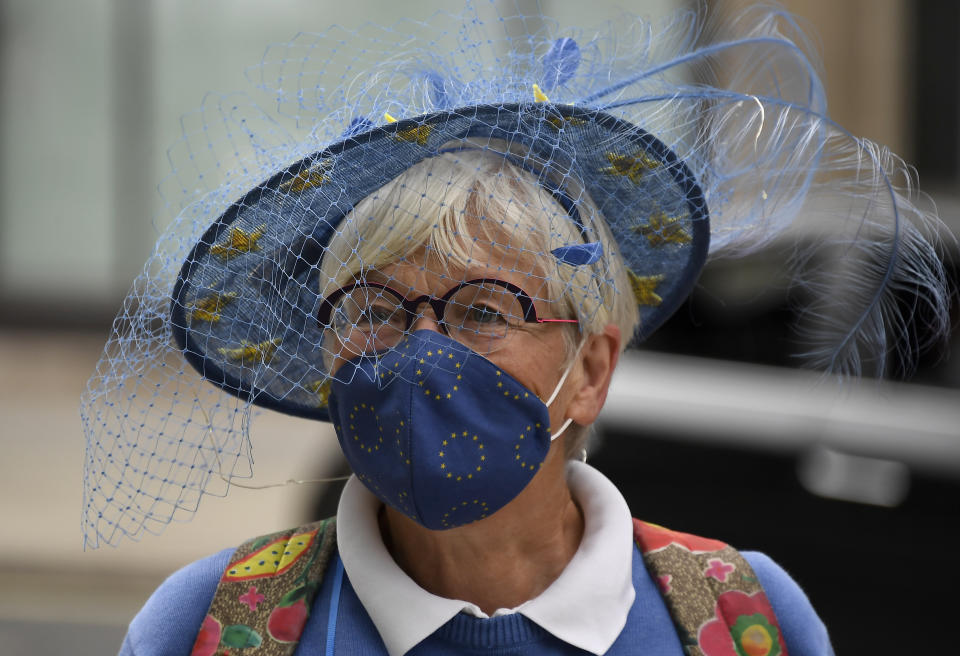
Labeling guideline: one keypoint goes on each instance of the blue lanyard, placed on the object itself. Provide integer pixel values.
(334, 606)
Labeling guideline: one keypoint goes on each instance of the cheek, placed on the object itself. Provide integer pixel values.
(332, 354)
(537, 362)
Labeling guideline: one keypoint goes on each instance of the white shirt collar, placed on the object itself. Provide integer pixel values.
(586, 606)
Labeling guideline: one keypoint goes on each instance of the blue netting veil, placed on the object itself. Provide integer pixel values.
(539, 172)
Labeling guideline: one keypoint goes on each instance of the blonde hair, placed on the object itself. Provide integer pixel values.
(460, 200)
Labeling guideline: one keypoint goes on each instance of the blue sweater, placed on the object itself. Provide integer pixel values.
(168, 623)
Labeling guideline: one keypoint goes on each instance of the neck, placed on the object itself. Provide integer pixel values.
(501, 561)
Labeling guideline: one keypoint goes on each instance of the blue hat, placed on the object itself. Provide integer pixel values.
(262, 256)
(634, 135)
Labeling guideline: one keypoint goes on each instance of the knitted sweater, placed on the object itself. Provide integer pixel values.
(168, 623)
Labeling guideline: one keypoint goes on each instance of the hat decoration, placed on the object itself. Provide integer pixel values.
(657, 161)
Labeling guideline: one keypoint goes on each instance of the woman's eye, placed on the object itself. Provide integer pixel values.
(483, 314)
(380, 314)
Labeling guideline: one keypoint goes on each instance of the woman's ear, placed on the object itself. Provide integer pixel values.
(598, 358)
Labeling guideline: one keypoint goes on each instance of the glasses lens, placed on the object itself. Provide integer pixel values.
(369, 319)
(481, 315)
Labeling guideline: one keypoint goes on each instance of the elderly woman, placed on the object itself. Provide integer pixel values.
(453, 291)
(469, 523)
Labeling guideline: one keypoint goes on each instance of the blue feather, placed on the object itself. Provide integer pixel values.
(438, 90)
(560, 63)
(358, 125)
(579, 254)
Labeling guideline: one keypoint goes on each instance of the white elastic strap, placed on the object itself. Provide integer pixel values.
(563, 378)
(562, 428)
(556, 390)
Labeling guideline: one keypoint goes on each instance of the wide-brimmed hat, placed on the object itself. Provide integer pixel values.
(662, 148)
(245, 305)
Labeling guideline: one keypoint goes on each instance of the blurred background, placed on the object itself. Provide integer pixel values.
(712, 428)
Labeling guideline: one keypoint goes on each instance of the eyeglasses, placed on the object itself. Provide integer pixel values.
(481, 314)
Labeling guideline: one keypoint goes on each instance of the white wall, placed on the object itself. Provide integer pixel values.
(56, 141)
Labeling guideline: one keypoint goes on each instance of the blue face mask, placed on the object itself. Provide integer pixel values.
(437, 431)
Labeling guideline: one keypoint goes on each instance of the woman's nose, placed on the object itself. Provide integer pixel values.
(426, 319)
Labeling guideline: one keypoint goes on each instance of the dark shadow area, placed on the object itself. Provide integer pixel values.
(935, 89)
(328, 496)
(754, 320)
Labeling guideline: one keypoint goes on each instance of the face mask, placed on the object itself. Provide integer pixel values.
(439, 432)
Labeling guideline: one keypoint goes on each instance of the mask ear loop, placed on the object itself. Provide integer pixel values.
(229, 480)
(556, 390)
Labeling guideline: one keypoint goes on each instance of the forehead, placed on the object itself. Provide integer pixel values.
(426, 271)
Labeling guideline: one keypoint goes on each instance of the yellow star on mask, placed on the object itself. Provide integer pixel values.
(417, 134)
(662, 229)
(248, 353)
(631, 166)
(322, 389)
(644, 288)
(314, 176)
(208, 308)
(239, 241)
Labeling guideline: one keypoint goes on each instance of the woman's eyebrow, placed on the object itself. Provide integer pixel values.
(378, 277)
(373, 275)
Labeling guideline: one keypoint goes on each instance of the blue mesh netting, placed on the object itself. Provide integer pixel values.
(639, 149)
